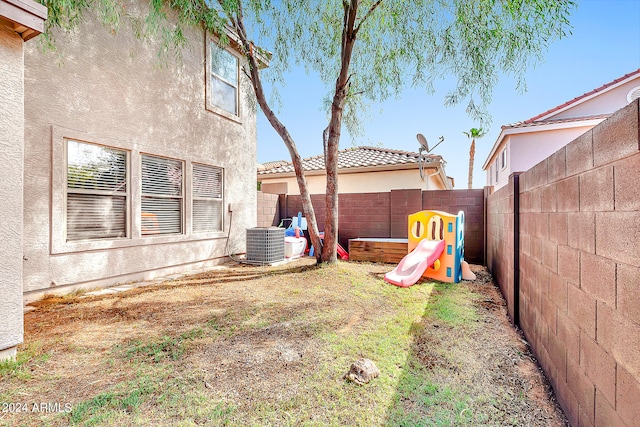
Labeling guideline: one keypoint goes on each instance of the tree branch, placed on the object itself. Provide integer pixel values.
(366, 16)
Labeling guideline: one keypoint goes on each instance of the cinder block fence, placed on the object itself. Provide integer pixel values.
(562, 241)
(384, 215)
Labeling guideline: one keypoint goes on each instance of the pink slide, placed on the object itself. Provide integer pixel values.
(410, 269)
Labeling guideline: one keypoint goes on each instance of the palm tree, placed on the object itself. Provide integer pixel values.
(473, 134)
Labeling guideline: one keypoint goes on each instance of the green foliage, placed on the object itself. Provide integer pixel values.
(66, 15)
(123, 398)
(160, 349)
(475, 133)
(399, 44)
(410, 44)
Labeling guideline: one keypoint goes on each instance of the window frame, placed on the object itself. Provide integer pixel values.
(210, 105)
(57, 198)
(503, 158)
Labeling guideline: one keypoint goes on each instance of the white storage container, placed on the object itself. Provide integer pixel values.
(294, 246)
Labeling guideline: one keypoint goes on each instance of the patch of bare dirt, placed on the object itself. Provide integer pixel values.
(260, 337)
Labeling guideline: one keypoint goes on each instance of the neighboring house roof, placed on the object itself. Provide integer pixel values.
(545, 121)
(527, 123)
(271, 165)
(353, 158)
(585, 96)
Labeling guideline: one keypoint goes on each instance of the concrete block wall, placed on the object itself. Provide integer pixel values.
(385, 215)
(359, 215)
(580, 270)
(500, 232)
(268, 209)
(472, 203)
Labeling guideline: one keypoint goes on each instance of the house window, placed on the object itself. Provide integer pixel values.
(503, 158)
(490, 174)
(162, 196)
(223, 82)
(207, 198)
(497, 170)
(97, 192)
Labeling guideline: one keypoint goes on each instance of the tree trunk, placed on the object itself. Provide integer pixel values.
(335, 123)
(307, 207)
(472, 155)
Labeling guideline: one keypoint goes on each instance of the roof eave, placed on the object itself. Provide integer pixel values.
(506, 131)
(361, 169)
(25, 17)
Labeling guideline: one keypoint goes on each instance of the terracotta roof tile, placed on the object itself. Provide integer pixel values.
(584, 95)
(356, 157)
(528, 123)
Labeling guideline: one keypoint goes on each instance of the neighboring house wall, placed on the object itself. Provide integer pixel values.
(500, 169)
(530, 142)
(362, 182)
(531, 148)
(577, 288)
(110, 89)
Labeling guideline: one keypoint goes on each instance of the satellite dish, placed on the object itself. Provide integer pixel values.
(425, 145)
(423, 141)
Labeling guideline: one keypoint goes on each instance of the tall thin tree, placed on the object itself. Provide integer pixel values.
(473, 134)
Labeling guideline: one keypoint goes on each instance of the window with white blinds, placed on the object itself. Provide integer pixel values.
(162, 194)
(97, 192)
(207, 198)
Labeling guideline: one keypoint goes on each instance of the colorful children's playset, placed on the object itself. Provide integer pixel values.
(436, 250)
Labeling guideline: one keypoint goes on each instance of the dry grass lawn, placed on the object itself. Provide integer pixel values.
(260, 346)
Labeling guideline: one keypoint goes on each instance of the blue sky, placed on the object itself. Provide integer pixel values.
(604, 45)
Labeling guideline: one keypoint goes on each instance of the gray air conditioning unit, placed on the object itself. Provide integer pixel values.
(265, 245)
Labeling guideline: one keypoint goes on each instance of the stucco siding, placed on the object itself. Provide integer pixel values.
(364, 182)
(11, 152)
(112, 90)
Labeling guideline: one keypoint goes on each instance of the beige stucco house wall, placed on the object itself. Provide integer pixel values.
(522, 145)
(360, 170)
(19, 21)
(111, 90)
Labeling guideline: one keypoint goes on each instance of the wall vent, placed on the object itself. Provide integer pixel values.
(633, 94)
